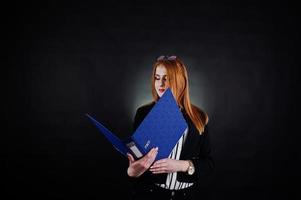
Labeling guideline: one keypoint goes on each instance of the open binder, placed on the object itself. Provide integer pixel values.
(162, 127)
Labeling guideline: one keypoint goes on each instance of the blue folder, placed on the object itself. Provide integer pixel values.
(162, 127)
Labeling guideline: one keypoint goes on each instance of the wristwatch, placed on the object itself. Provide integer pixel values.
(190, 169)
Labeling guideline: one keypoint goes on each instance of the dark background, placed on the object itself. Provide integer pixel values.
(68, 59)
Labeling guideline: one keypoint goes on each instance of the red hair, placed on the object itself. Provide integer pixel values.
(178, 83)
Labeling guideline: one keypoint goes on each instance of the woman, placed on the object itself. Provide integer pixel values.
(175, 177)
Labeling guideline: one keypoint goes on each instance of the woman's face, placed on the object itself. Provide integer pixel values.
(161, 80)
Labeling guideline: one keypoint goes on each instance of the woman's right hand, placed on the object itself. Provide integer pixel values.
(138, 167)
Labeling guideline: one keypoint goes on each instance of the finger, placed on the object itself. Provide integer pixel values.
(131, 158)
(159, 162)
(157, 166)
(153, 150)
(152, 153)
(151, 157)
(159, 172)
(148, 155)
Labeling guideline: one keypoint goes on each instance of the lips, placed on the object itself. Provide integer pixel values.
(161, 90)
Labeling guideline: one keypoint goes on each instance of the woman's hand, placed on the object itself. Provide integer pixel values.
(168, 165)
(138, 167)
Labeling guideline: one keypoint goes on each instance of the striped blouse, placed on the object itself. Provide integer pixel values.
(171, 180)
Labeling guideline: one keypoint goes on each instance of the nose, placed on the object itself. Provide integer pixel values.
(162, 82)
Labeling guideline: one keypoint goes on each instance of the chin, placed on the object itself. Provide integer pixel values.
(159, 94)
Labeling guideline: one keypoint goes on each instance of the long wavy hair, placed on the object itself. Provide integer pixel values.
(178, 83)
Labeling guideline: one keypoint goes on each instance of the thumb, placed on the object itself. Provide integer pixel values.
(131, 158)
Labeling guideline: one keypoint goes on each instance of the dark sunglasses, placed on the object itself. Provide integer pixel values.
(166, 58)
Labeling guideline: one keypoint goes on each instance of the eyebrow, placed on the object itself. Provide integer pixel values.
(160, 75)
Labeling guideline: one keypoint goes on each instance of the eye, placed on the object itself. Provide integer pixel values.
(157, 78)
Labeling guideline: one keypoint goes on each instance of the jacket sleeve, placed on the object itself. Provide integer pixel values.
(202, 161)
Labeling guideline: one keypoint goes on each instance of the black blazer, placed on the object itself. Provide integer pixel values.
(196, 148)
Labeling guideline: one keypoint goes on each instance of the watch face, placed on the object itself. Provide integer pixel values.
(190, 170)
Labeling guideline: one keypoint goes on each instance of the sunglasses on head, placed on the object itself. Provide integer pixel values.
(166, 58)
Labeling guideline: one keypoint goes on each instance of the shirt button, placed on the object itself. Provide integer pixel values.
(172, 193)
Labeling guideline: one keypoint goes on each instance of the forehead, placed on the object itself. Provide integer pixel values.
(161, 70)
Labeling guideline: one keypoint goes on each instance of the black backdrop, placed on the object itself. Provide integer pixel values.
(68, 59)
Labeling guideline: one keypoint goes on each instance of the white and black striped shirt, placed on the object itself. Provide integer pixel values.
(171, 180)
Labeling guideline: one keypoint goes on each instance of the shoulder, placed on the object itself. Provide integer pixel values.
(144, 109)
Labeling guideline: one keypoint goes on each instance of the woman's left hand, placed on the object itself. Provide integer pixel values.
(168, 165)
